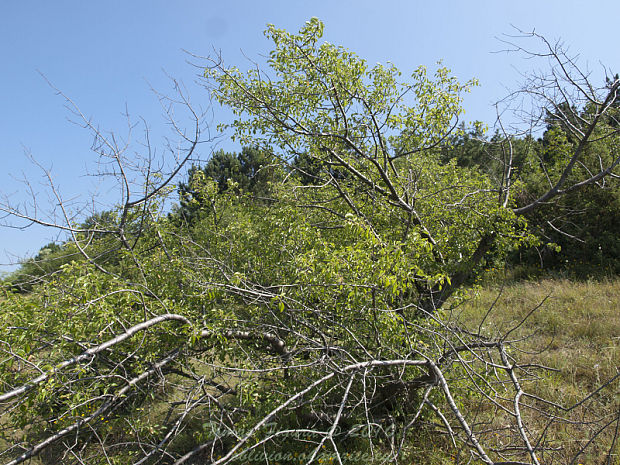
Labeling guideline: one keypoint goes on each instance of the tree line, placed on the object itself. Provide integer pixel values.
(577, 236)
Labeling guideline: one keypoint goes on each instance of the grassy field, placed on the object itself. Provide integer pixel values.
(576, 332)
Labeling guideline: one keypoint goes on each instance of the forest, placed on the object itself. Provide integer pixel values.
(368, 279)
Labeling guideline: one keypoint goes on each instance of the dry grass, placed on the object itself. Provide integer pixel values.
(576, 331)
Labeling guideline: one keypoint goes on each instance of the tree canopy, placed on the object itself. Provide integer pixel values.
(302, 298)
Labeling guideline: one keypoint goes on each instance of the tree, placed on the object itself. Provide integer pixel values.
(324, 102)
(314, 325)
(251, 171)
(49, 258)
(571, 232)
(575, 229)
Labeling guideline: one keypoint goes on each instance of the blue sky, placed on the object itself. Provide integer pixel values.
(107, 55)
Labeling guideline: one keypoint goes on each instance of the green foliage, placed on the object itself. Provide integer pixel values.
(364, 135)
(583, 223)
(97, 236)
(314, 83)
(578, 233)
(252, 171)
(48, 260)
(307, 282)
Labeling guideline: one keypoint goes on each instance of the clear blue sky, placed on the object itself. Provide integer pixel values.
(106, 54)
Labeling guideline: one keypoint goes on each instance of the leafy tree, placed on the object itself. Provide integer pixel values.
(583, 223)
(326, 103)
(48, 260)
(93, 233)
(571, 232)
(251, 171)
(312, 325)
